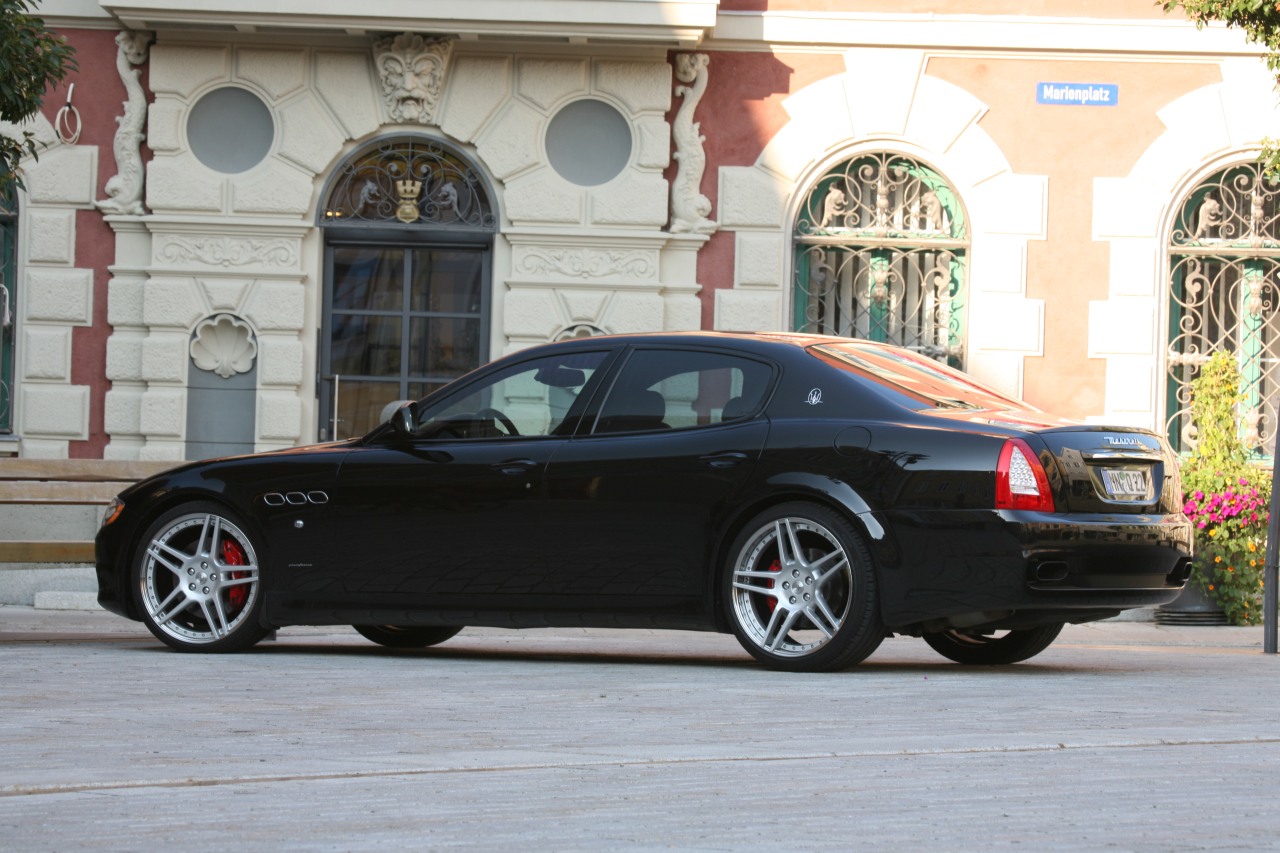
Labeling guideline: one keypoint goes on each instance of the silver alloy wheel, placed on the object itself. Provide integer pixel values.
(792, 585)
(199, 578)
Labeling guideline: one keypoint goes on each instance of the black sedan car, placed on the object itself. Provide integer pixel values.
(812, 495)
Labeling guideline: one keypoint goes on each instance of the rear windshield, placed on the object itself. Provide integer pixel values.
(913, 380)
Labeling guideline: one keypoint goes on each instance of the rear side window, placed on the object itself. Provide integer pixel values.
(679, 389)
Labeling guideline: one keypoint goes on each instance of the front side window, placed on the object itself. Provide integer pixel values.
(534, 398)
(1224, 290)
(880, 253)
(677, 389)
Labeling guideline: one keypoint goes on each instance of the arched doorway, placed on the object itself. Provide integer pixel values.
(880, 249)
(408, 232)
(1224, 290)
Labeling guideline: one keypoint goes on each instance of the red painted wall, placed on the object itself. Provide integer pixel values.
(99, 97)
(740, 112)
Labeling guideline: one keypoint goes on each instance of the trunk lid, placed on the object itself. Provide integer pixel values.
(1111, 470)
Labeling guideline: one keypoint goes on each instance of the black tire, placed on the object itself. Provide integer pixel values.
(197, 582)
(800, 590)
(992, 648)
(397, 637)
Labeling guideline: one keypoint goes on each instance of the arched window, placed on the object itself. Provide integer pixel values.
(880, 251)
(410, 180)
(1224, 256)
(408, 228)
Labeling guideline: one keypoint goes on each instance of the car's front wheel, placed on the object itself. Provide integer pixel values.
(800, 590)
(197, 580)
(398, 637)
(992, 648)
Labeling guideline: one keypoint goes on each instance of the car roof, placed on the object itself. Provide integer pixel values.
(747, 340)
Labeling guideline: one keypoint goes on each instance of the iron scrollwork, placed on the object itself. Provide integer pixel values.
(1224, 275)
(880, 248)
(412, 181)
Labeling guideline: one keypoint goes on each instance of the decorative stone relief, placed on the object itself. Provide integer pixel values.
(689, 207)
(581, 330)
(224, 345)
(412, 71)
(226, 251)
(124, 189)
(586, 263)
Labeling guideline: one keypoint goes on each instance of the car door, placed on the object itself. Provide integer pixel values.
(448, 518)
(637, 498)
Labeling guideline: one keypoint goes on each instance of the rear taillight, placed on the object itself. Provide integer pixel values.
(1021, 481)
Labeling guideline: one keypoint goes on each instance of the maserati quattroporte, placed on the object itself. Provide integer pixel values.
(811, 495)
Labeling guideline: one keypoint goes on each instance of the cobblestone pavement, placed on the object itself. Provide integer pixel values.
(1122, 736)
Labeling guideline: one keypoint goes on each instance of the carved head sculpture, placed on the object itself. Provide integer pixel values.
(411, 69)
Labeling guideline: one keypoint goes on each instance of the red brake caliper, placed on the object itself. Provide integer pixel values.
(233, 555)
(775, 566)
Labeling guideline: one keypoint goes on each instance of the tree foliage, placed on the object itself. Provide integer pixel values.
(31, 60)
(1260, 20)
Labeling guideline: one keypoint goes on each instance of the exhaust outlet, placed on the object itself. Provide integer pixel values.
(1181, 573)
(1051, 571)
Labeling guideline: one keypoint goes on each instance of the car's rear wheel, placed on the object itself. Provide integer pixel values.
(800, 590)
(197, 580)
(990, 648)
(399, 637)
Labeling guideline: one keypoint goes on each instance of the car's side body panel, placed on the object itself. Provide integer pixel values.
(582, 527)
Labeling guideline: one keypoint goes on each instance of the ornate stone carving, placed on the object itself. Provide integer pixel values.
(412, 70)
(124, 189)
(689, 207)
(226, 251)
(579, 330)
(586, 263)
(224, 345)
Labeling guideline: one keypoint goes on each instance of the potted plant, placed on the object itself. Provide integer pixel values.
(1226, 497)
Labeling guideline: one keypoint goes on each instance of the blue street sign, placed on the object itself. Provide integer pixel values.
(1078, 94)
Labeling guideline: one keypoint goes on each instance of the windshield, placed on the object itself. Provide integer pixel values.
(913, 380)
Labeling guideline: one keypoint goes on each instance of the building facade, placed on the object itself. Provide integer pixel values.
(253, 228)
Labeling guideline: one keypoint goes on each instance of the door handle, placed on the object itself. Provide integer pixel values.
(724, 460)
(514, 466)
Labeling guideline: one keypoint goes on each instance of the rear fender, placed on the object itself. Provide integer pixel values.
(780, 488)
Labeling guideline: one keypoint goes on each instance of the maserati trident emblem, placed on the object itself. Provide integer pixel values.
(815, 397)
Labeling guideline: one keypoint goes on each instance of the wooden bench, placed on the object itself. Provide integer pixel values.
(63, 482)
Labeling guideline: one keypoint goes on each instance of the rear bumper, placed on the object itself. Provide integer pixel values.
(962, 564)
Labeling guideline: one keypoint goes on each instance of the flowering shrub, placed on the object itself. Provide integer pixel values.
(1231, 540)
(1225, 496)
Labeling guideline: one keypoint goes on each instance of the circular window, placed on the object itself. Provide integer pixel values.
(230, 130)
(588, 143)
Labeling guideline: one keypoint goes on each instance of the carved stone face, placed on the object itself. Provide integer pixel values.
(412, 72)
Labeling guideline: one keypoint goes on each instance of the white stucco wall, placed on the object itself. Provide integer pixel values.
(246, 244)
(54, 294)
(840, 117)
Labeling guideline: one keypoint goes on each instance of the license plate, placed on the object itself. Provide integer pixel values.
(1125, 483)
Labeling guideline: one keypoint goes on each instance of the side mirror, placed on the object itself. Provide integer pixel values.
(404, 420)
